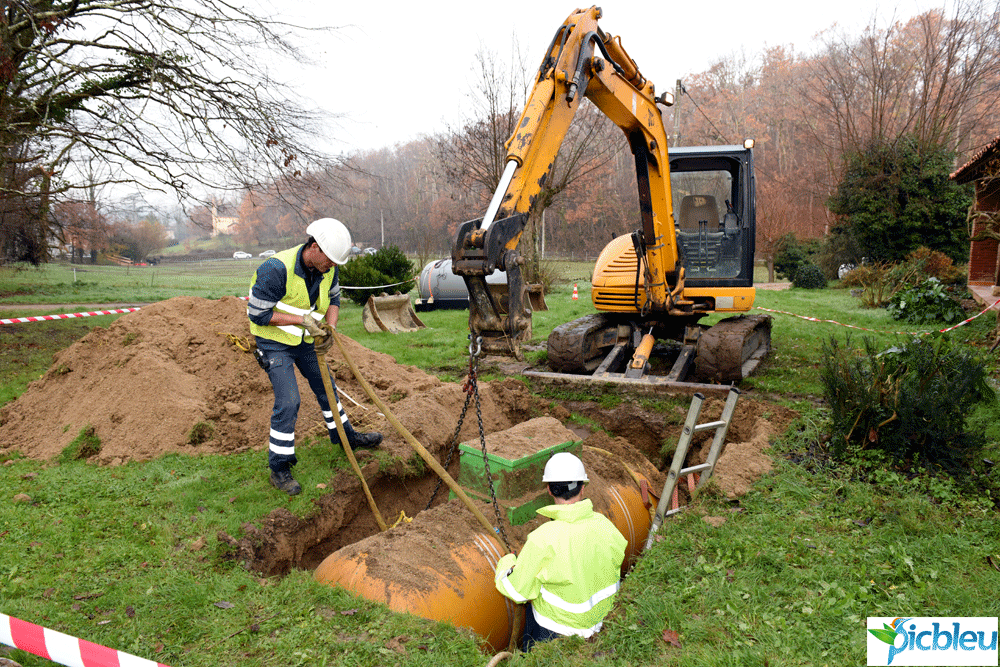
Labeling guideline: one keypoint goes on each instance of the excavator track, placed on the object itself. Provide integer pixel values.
(579, 346)
(730, 350)
(724, 353)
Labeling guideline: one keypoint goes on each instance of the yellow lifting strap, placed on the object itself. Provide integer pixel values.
(328, 386)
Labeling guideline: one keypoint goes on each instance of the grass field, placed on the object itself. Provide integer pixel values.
(67, 283)
(128, 557)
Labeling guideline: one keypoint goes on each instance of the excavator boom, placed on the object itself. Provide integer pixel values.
(582, 61)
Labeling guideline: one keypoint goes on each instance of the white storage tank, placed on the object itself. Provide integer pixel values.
(440, 288)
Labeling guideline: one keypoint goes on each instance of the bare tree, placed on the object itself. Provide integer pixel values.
(473, 155)
(935, 76)
(173, 96)
(84, 229)
(928, 77)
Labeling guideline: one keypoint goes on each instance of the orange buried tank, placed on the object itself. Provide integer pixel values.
(441, 565)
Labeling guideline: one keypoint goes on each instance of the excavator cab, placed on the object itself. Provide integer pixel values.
(713, 195)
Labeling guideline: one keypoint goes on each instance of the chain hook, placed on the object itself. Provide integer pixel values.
(469, 386)
(475, 348)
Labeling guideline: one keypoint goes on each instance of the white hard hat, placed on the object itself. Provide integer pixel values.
(333, 239)
(564, 467)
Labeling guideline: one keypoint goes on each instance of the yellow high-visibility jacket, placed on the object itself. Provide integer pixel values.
(569, 569)
(295, 301)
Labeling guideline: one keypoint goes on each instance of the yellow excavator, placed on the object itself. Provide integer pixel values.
(691, 257)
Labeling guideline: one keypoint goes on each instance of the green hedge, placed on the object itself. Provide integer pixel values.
(386, 267)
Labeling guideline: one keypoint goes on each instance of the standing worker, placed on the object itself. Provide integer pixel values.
(293, 310)
(569, 569)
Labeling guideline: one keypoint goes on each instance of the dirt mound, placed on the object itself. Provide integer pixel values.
(647, 431)
(171, 378)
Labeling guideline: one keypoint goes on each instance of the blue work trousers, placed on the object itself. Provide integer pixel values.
(280, 362)
(533, 632)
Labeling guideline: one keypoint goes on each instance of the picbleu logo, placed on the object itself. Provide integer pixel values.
(932, 641)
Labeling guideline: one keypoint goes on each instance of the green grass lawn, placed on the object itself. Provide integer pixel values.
(67, 283)
(129, 556)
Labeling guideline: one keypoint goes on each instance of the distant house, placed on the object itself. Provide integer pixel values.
(984, 216)
(222, 225)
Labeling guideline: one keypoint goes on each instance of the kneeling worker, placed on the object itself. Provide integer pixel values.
(293, 309)
(569, 569)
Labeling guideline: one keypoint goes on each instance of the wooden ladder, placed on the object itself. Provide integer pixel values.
(694, 474)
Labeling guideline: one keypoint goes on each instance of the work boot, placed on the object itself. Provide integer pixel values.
(283, 481)
(364, 440)
(358, 440)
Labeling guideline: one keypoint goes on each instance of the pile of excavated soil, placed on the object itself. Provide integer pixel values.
(170, 378)
(645, 433)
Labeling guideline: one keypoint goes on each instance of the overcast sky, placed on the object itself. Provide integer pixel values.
(397, 70)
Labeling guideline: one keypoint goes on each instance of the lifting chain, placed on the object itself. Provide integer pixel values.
(471, 388)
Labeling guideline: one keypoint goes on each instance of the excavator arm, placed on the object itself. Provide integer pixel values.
(581, 61)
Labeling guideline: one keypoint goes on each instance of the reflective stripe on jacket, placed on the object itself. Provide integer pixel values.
(295, 301)
(569, 569)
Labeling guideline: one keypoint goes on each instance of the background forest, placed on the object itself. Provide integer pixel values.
(922, 93)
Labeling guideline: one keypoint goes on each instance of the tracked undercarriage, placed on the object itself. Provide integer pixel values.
(602, 348)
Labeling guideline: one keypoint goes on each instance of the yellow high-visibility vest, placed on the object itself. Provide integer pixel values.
(568, 568)
(295, 302)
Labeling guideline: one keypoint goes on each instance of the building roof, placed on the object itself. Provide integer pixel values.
(973, 168)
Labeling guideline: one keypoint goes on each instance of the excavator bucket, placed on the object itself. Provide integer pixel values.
(390, 313)
(536, 297)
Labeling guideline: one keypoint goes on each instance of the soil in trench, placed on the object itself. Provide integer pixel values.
(174, 378)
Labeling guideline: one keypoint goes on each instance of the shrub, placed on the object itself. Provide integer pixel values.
(837, 249)
(910, 403)
(791, 254)
(924, 304)
(937, 265)
(896, 195)
(809, 276)
(387, 267)
(879, 281)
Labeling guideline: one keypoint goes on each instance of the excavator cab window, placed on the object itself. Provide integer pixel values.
(712, 234)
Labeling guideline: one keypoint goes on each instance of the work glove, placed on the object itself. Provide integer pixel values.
(320, 331)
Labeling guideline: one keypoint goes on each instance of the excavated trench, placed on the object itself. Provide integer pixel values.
(342, 516)
(283, 541)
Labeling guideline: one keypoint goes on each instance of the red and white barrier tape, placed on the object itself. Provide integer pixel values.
(901, 333)
(65, 650)
(41, 318)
